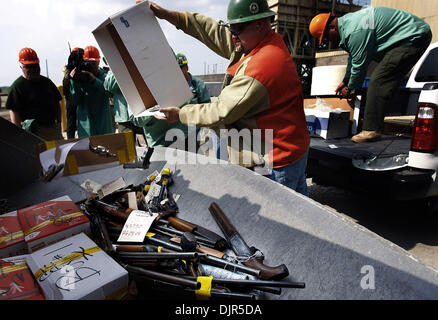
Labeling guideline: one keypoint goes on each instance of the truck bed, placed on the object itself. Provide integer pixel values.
(333, 166)
(344, 148)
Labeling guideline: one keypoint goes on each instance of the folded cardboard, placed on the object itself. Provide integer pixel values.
(141, 59)
(328, 124)
(77, 157)
(49, 222)
(76, 268)
(11, 236)
(17, 281)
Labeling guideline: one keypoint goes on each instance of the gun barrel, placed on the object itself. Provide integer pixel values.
(160, 255)
(226, 226)
(230, 265)
(163, 277)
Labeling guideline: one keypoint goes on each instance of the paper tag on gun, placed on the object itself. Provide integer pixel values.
(137, 226)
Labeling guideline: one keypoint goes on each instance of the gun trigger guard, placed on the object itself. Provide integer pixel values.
(256, 253)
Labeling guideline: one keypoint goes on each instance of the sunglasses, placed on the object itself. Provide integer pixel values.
(237, 29)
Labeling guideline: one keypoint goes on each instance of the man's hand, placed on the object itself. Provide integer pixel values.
(341, 86)
(172, 114)
(161, 13)
(72, 73)
(344, 91)
(90, 76)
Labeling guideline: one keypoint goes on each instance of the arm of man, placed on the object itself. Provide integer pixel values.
(243, 96)
(207, 30)
(110, 84)
(14, 103)
(362, 48)
(15, 117)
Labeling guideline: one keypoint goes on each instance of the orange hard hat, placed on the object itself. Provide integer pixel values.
(91, 54)
(28, 56)
(318, 24)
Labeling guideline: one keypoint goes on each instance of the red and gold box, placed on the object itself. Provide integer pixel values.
(11, 236)
(17, 281)
(51, 221)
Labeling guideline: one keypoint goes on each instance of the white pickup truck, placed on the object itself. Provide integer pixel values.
(397, 167)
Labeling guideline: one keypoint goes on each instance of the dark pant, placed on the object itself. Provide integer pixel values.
(387, 77)
(71, 120)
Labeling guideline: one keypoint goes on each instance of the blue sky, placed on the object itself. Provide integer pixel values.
(48, 26)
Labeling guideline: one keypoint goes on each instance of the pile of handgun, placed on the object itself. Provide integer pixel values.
(179, 257)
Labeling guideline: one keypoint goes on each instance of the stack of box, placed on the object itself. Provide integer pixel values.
(51, 221)
(331, 117)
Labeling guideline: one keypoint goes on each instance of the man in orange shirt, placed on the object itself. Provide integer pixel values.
(261, 93)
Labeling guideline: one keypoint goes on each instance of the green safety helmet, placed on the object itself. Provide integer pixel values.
(182, 60)
(248, 10)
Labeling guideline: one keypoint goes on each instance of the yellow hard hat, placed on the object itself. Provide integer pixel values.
(318, 24)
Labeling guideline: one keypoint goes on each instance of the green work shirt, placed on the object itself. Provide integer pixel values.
(93, 112)
(155, 130)
(367, 34)
(110, 84)
(35, 99)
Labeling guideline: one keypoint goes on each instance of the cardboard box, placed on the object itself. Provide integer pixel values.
(328, 124)
(334, 102)
(76, 156)
(49, 222)
(17, 281)
(76, 268)
(141, 59)
(11, 236)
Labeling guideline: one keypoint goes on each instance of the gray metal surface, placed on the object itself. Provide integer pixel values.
(334, 256)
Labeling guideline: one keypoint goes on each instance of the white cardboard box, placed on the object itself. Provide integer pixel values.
(77, 269)
(328, 124)
(141, 59)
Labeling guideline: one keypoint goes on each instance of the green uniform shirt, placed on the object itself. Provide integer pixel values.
(367, 34)
(155, 130)
(35, 99)
(110, 84)
(93, 113)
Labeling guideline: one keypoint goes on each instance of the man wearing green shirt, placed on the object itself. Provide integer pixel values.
(122, 113)
(395, 39)
(87, 92)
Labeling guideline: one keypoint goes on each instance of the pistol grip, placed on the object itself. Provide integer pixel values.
(267, 272)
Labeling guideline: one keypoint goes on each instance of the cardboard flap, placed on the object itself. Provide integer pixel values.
(122, 145)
